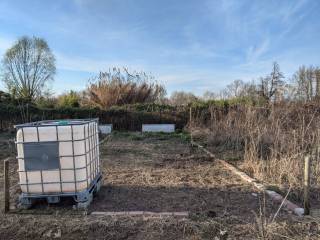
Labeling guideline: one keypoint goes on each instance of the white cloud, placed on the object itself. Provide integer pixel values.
(74, 63)
(83, 64)
(185, 78)
(291, 11)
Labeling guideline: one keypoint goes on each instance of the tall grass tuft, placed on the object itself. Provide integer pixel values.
(273, 139)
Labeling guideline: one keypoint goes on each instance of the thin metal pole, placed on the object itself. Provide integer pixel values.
(24, 163)
(85, 151)
(74, 162)
(60, 175)
(6, 186)
(41, 174)
(306, 185)
(90, 155)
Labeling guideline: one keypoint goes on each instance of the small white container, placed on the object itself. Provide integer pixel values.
(167, 128)
(105, 128)
(58, 156)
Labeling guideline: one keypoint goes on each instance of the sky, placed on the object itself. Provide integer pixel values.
(188, 45)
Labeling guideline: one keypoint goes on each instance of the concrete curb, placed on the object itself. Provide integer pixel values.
(276, 197)
(105, 139)
(143, 214)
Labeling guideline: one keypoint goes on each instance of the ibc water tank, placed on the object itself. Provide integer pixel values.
(58, 158)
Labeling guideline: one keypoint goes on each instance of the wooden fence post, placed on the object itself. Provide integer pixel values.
(190, 116)
(190, 124)
(6, 186)
(306, 185)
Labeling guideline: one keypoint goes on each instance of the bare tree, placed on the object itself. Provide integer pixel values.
(239, 89)
(182, 98)
(317, 77)
(271, 87)
(28, 66)
(235, 89)
(307, 80)
(209, 95)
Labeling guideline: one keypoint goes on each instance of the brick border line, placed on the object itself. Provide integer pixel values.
(276, 197)
(143, 214)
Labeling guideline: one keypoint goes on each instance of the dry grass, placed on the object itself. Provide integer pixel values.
(275, 147)
(271, 141)
(160, 173)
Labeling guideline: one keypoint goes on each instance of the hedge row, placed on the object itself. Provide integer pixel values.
(129, 117)
(126, 117)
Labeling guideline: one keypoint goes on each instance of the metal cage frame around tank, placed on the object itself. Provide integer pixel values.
(79, 196)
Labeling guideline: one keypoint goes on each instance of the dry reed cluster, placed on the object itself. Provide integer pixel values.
(273, 140)
(119, 88)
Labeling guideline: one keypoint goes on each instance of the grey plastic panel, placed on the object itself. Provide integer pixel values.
(41, 156)
(168, 128)
(105, 128)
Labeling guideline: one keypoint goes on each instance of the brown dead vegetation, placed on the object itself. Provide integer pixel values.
(120, 87)
(157, 172)
(271, 142)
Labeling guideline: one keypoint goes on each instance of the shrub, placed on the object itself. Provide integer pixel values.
(118, 87)
(70, 99)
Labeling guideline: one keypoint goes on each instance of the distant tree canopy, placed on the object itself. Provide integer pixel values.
(307, 83)
(70, 99)
(119, 87)
(27, 67)
(182, 98)
(304, 86)
(239, 88)
(271, 86)
(6, 98)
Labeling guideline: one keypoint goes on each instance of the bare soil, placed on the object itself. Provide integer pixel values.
(160, 173)
(234, 156)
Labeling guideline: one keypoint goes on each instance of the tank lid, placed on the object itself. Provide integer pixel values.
(59, 122)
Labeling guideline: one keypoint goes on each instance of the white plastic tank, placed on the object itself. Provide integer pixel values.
(58, 156)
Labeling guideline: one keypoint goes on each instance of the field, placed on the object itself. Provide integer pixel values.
(158, 173)
(268, 143)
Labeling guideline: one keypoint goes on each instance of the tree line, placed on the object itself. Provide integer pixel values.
(29, 66)
(303, 86)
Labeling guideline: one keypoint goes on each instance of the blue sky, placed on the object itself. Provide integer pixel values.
(190, 45)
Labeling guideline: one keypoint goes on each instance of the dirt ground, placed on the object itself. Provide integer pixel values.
(159, 173)
(235, 157)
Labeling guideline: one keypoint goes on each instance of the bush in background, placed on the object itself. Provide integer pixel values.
(128, 117)
(120, 87)
(70, 99)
